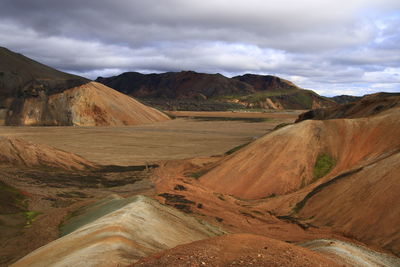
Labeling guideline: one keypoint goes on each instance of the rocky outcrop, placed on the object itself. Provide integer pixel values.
(91, 104)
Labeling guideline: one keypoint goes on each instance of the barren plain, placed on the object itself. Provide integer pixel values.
(192, 134)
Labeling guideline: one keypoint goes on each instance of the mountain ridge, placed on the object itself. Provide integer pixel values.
(195, 91)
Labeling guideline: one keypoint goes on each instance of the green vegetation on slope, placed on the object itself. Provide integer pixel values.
(256, 97)
(198, 174)
(233, 150)
(30, 217)
(323, 165)
(11, 200)
(14, 207)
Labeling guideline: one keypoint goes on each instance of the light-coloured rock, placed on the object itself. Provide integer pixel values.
(140, 228)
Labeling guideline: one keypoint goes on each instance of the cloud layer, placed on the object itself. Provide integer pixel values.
(334, 47)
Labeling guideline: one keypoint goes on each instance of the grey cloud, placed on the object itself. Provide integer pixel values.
(320, 43)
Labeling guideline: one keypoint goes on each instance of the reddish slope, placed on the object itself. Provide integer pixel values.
(283, 161)
(237, 250)
(18, 152)
(364, 205)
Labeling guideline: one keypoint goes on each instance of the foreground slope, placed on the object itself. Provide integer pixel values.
(34, 94)
(237, 250)
(356, 195)
(121, 237)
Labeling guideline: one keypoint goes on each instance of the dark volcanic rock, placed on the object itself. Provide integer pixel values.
(367, 106)
(22, 77)
(344, 99)
(176, 85)
(188, 90)
(266, 82)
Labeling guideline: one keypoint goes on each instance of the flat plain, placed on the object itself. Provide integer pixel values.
(190, 135)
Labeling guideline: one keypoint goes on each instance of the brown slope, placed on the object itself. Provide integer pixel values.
(363, 205)
(367, 106)
(23, 77)
(91, 104)
(237, 250)
(18, 152)
(283, 161)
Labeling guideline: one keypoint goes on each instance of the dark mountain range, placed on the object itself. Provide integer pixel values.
(199, 91)
(344, 99)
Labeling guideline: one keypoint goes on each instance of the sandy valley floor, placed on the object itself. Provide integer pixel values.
(192, 135)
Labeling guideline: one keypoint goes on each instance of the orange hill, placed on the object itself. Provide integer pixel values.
(91, 104)
(34, 94)
(284, 160)
(340, 173)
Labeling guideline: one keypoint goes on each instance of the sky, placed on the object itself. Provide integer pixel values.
(333, 47)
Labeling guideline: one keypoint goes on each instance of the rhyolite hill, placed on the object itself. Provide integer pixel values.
(34, 94)
(189, 90)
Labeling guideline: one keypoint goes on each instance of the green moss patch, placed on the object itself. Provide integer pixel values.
(323, 165)
(30, 217)
(14, 211)
(198, 174)
(233, 150)
(11, 200)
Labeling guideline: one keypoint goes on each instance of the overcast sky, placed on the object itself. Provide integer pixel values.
(331, 46)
